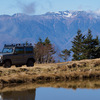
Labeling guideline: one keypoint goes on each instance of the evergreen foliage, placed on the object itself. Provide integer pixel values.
(77, 46)
(65, 54)
(90, 46)
(47, 41)
(85, 47)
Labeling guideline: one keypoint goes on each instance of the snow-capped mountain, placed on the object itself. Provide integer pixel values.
(73, 14)
(60, 13)
(61, 27)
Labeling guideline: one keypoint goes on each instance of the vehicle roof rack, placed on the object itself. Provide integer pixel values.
(18, 45)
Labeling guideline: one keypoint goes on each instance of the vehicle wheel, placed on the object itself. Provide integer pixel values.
(18, 65)
(7, 64)
(30, 63)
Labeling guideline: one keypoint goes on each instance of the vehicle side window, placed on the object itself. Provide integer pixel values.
(29, 50)
(19, 50)
(7, 50)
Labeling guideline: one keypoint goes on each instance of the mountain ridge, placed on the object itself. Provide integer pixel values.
(61, 27)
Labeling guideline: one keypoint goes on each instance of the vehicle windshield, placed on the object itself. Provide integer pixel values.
(7, 50)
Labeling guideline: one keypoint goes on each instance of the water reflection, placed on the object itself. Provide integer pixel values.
(18, 95)
(67, 94)
(70, 90)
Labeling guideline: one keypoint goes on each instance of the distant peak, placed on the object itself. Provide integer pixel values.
(72, 14)
(19, 15)
(60, 13)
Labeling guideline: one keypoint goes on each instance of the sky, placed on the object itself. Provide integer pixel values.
(37, 7)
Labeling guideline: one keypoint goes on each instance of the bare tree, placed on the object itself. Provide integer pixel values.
(44, 51)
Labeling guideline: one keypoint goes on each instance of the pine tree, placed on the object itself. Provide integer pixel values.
(40, 41)
(65, 54)
(97, 51)
(47, 41)
(77, 46)
(90, 46)
(85, 47)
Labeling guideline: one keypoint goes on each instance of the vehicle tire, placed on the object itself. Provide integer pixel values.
(18, 65)
(7, 64)
(30, 63)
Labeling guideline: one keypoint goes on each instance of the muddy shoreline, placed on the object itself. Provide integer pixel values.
(67, 71)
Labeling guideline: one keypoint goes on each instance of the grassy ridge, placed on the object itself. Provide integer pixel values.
(67, 71)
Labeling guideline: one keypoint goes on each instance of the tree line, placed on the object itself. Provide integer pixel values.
(83, 47)
(44, 51)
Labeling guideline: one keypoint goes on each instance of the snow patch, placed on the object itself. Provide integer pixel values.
(68, 15)
(57, 12)
(65, 13)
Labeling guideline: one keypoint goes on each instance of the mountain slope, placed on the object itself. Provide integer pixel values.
(60, 27)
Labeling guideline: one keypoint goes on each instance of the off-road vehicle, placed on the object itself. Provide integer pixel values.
(18, 55)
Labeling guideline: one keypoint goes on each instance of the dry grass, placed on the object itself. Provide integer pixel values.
(74, 70)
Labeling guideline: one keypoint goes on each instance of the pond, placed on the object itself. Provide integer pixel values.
(90, 91)
(67, 94)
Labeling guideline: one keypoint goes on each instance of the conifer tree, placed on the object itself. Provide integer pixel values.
(85, 47)
(47, 41)
(90, 46)
(77, 46)
(65, 54)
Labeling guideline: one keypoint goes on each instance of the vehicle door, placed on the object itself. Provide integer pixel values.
(28, 53)
(18, 57)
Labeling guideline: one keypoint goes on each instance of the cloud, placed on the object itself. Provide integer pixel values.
(97, 12)
(82, 7)
(27, 8)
